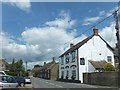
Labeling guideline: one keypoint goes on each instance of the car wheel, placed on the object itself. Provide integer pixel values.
(22, 84)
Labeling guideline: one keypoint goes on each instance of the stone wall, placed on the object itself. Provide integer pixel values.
(101, 78)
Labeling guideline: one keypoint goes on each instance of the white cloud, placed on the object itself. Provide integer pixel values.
(101, 13)
(21, 4)
(41, 43)
(90, 20)
(109, 34)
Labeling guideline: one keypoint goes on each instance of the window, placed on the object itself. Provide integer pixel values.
(62, 74)
(82, 61)
(62, 60)
(67, 73)
(73, 74)
(109, 58)
(73, 56)
(67, 58)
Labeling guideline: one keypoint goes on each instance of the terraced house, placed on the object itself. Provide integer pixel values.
(88, 55)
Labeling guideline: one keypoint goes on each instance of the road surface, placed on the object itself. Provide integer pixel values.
(42, 83)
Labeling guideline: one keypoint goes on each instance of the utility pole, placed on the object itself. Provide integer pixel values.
(26, 65)
(117, 20)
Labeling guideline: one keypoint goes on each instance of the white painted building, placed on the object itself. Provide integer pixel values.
(82, 57)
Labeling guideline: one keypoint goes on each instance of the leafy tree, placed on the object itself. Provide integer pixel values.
(109, 67)
(17, 68)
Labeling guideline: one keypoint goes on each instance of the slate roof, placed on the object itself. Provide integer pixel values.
(48, 65)
(98, 64)
(82, 43)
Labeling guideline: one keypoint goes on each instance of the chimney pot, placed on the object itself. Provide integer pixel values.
(95, 30)
(71, 45)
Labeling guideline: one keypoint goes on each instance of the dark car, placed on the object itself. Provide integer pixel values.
(20, 80)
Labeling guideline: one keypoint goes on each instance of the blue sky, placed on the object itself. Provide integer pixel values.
(15, 20)
(38, 31)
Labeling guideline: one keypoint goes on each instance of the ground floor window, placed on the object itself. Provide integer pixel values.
(62, 74)
(73, 74)
(67, 74)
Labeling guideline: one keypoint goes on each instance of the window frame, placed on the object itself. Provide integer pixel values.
(109, 58)
(82, 61)
(67, 58)
(73, 56)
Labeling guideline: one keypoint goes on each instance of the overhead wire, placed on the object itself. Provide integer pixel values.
(99, 22)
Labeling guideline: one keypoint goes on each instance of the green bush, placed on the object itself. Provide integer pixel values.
(109, 67)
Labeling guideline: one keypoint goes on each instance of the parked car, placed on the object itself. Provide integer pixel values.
(27, 80)
(2, 73)
(20, 80)
(8, 82)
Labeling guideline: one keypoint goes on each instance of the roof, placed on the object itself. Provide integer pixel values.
(48, 65)
(77, 45)
(98, 64)
(2, 61)
(83, 42)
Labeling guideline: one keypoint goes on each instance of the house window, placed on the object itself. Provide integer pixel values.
(67, 73)
(73, 56)
(82, 61)
(62, 74)
(109, 58)
(67, 58)
(62, 60)
(73, 74)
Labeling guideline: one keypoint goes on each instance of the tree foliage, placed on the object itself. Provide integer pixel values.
(109, 67)
(17, 68)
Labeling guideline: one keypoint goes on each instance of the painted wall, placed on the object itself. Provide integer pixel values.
(96, 50)
(70, 68)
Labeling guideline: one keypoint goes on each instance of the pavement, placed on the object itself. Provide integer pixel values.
(26, 87)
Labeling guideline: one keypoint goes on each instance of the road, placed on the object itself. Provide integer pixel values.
(42, 83)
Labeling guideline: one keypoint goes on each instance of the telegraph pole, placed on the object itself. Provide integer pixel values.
(117, 20)
(26, 65)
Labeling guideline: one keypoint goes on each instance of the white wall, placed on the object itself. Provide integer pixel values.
(95, 49)
(69, 64)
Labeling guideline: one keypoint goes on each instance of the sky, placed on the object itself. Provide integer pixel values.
(36, 31)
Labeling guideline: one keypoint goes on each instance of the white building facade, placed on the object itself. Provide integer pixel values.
(76, 60)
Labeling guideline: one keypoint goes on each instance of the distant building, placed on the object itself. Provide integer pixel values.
(49, 70)
(89, 55)
(36, 70)
(3, 65)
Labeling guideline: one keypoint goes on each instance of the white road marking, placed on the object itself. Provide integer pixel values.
(51, 83)
(46, 82)
(59, 86)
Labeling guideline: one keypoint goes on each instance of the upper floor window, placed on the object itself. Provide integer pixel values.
(62, 60)
(109, 58)
(82, 61)
(73, 56)
(67, 58)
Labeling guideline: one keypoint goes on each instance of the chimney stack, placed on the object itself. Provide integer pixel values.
(44, 63)
(95, 31)
(53, 59)
(71, 45)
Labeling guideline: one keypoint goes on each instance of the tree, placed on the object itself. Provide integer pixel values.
(109, 67)
(17, 68)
